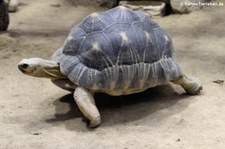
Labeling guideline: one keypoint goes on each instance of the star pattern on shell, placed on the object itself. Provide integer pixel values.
(123, 36)
(95, 47)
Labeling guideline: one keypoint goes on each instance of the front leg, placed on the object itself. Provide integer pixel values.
(190, 84)
(86, 104)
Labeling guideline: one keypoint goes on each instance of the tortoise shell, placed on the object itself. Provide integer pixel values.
(118, 49)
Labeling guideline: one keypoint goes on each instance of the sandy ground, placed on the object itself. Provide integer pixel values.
(36, 114)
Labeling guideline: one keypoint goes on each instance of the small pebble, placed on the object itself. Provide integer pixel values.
(220, 82)
(55, 5)
(179, 120)
(35, 133)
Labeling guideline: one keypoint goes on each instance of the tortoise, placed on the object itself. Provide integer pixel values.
(117, 52)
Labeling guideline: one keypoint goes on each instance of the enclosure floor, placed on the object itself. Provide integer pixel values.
(36, 114)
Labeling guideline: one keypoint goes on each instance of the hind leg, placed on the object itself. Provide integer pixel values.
(191, 85)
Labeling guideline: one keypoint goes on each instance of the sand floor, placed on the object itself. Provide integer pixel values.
(36, 114)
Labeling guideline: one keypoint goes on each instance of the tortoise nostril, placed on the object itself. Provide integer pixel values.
(23, 66)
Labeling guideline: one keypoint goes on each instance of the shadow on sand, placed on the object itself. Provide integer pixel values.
(124, 109)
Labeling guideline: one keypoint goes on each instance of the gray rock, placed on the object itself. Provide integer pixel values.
(178, 6)
(107, 3)
(13, 4)
(153, 8)
(185, 6)
(4, 16)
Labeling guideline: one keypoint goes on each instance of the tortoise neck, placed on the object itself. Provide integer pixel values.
(51, 69)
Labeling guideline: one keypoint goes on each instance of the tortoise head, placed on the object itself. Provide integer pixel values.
(41, 68)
